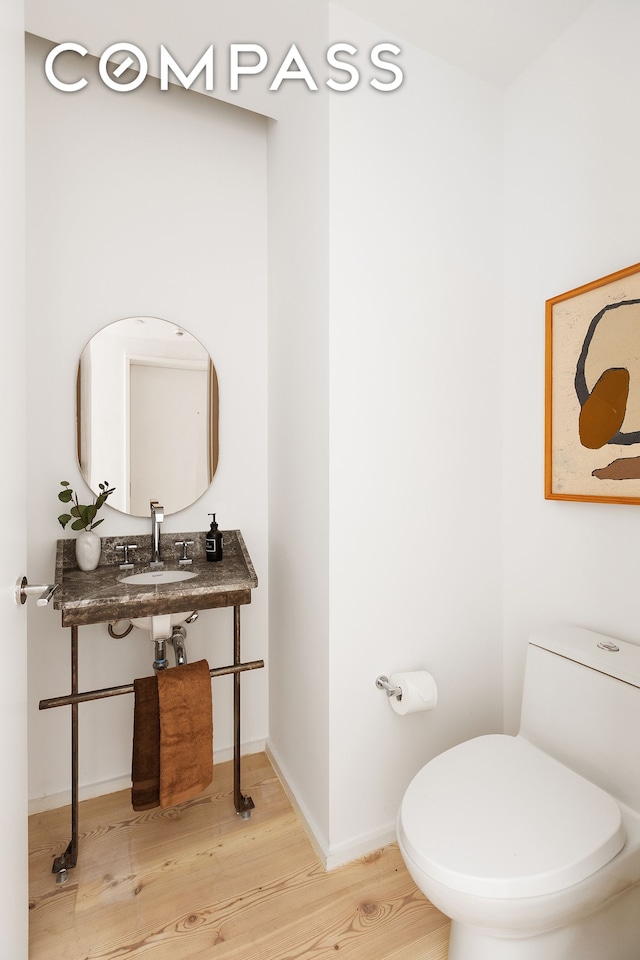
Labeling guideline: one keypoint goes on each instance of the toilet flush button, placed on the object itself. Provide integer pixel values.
(609, 645)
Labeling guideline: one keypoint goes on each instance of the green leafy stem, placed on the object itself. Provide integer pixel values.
(83, 516)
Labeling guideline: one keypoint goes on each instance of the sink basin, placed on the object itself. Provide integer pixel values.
(161, 625)
(158, 576)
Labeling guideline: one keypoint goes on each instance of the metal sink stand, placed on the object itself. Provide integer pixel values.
(243, 804)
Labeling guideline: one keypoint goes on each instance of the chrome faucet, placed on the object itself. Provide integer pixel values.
(157, 516)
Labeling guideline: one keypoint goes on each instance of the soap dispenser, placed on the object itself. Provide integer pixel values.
(213, 541)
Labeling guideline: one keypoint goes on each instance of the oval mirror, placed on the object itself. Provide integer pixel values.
(147, 415)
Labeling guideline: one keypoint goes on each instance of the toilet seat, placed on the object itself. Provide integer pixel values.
(496, 817)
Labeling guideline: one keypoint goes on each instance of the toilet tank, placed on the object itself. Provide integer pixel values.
(581, 704)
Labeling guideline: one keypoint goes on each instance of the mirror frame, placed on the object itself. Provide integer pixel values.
(213, 446)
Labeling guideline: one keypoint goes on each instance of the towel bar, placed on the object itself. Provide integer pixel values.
(71, 698)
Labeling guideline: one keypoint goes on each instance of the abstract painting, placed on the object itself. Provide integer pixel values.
(592, 400)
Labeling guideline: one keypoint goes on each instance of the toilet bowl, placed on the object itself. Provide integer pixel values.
(531, 844)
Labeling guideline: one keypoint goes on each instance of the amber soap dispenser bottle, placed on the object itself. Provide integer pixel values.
(213, 541)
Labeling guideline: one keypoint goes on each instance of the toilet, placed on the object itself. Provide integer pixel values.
(531, 844)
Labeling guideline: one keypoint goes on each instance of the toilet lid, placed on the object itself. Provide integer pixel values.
(497, 817)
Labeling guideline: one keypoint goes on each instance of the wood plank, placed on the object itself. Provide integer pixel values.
(175, 884)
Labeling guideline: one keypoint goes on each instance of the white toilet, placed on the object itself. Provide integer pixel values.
(531, 844)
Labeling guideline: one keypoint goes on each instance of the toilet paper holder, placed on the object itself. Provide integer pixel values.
(382, 683)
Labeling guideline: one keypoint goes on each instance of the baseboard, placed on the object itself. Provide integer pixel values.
(345, 852)
(89, 791)
(86, 791)
(316, 838)
(359, 847)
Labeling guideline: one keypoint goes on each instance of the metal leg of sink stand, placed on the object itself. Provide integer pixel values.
(244, 805)
(69, 858)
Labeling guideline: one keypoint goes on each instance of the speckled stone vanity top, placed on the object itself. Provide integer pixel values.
(99, 595)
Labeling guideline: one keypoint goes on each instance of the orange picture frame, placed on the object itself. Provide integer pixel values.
(592, 391)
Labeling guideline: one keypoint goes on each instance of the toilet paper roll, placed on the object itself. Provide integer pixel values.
(418, 692)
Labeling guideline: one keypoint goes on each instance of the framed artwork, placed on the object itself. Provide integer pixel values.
(592, 391)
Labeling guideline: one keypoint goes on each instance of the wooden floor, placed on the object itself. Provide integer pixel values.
(197, 882)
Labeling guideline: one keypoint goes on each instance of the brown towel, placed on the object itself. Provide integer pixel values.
(145, 767)
(186, 732)
(172, 736)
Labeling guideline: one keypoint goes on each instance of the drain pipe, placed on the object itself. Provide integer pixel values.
(178, 641)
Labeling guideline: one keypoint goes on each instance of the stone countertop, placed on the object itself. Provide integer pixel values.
(100, 596)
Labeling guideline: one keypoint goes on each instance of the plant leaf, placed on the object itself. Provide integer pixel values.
(84, 514)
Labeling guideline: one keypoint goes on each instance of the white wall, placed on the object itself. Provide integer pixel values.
(572, 212)
(149, 204)
(13, 680)
(413, 316)
(415, 429)
(298, 340)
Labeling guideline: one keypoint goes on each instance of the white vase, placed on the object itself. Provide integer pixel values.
(88, 547)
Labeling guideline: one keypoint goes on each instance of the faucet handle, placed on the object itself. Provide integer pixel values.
(125, 547)
(185, 544)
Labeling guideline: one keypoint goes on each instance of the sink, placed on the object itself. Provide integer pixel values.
(158, 576)
(159, 625)
(111, 593)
